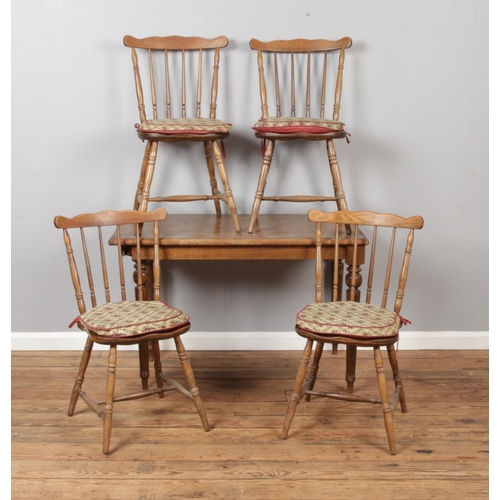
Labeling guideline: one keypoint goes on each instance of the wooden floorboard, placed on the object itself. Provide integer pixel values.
(335, 450)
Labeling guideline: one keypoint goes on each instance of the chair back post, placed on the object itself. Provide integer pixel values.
(323, 87)
(168, 95)
(403, 275)
(354, 265)
(104, 268)
(371, 267)
(262, 84)
(292, 86)
(336, 295)
(90, 279)
(319, 263)
(75, 277)
(138, 86)
(308, 86)
(183, 84)
(156, 262)
(138, 275)
(388, 269)
(152, 84)
(338, 86)
(215, 84)
(123, 285)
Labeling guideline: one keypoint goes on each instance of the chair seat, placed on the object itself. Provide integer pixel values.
(184, 126)
(132, 318)
(349, 319)
(288, 125)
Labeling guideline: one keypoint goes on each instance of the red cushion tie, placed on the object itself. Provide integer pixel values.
(76, 320)
(404, 321)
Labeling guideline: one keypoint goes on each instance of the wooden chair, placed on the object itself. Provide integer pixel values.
(312, 69)
(358, 324)
(192, 120)
(113, 320)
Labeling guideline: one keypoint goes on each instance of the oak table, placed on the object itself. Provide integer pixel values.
(208, 237)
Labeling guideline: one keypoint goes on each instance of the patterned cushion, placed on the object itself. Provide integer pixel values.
(287, 125)
(350, 319)
(184, 126)
(129, 318)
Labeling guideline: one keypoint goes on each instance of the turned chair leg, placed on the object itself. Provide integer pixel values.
(157, 365)
(338, 188)
(144, 363)
(84, 362)
(188, 372)
(297, 390)
(264, 171)
(211, 172)
(229, 194)
(148, 176)
(350, 376)
(398, 379)
(140, 184)
(110, 394)
(336, 177)
(314, 368)
(384, 396)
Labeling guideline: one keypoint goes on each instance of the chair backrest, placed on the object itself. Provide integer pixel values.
(386, 247)
(169, 77)
(99, 269)
(312, 69)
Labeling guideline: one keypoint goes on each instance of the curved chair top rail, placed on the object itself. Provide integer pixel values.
(175, 42)
(367, 218)
(300, 45)
(110, 218)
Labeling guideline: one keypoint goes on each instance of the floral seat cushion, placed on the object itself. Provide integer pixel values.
(288, 125)
(184, 126)
(349, 319)
(131, 318)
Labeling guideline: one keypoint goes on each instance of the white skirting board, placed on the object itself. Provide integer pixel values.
(248, 341)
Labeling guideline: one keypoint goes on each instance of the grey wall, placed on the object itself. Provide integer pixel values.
(415, 101)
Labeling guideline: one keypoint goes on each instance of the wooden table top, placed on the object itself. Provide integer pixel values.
(208, 237)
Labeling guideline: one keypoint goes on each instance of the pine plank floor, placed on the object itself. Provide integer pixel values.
(335, 450)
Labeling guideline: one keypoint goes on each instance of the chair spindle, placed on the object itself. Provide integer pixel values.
(153, 84)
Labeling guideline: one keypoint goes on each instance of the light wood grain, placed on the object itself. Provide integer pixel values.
(281, 68)
(91, 264)
(206, 237)
(161, 451)
(174, 105)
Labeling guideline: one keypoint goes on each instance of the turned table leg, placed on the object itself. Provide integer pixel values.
(339, 291)
(353, 293)
(145, 349)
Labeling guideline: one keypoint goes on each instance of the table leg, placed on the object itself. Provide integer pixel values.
(335, 347)
(352, 293)
(146, 278)
(145, 348)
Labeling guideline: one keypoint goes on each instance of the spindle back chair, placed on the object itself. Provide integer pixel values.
(100, 276)
(179, 72)
(309, 75)
(359, 324)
